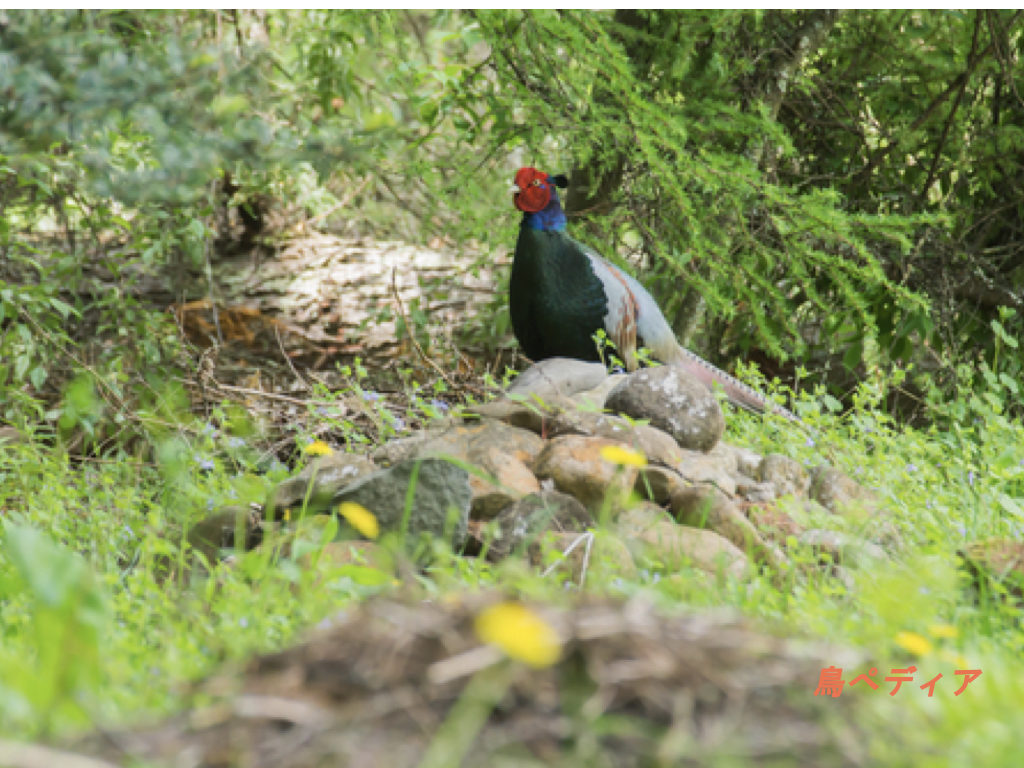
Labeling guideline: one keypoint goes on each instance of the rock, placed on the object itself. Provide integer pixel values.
(12, 436)
(672, 401)
(754, 491)
(607, 554)
(532, 516)
(656, 445)
(353, 552)
(836, 491)
(774, 524)
(842, 548)
(394, 451)
(220, 530)
(558, 377)
(706, 468)
(594, 399)
(575, 464)
(639, 517)
(670, 543)
(1001, 560)
(704, 506)
(328, 475)
(746, 461)
(786, 474)
(509, 480)
(524, 415)
(440, 505)
(562, 417)
(659, 483)
(500, 452)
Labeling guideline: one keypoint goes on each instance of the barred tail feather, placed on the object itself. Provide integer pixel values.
(739, 394)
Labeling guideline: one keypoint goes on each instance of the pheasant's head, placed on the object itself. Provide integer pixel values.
(533, 189)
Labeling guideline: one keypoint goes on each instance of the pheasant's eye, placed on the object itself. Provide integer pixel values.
(536, 182)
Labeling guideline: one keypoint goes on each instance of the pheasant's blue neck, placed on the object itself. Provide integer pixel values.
(551, 218)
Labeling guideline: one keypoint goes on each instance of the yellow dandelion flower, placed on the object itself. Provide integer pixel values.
(951, 657)
(520, 633)
(945, 631)
(915, 643)
(620, 454)
(287, 515)
(360, 518)
(318, 448)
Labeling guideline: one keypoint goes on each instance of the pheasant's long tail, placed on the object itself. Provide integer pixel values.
(739, 394)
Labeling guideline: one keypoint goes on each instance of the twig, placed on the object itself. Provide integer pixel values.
(588, 539)
(464, 664)
(408, 329)
(343, 203)
(962, 78)
(17, 755)
(952, 113)
(207, 244)
(277, 335)
(260, 393)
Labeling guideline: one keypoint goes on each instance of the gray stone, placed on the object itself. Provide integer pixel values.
(837, 491)
(786, 474)
(440, 504)
(500, 452)
(652, 442)
(674, 402)
(558, 376)
(842, 547)
(220, 531)
(11, 436)
(327, 475)
(594, 399)
(672, 544)
(754, 491)
(533, 515)
(706, 468)
(658, 484)
(704, 506)
(575, 464)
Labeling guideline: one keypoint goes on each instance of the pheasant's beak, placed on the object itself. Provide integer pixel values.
(515, 189)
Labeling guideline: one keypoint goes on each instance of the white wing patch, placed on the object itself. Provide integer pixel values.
(620, 321)
(629, 304)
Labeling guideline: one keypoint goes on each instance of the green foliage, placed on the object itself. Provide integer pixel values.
(62, 613)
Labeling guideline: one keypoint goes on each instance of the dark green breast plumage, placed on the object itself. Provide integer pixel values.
(556, 301)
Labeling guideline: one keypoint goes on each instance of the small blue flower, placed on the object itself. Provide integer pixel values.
(235, 442)
(970, 478)
(443, 407)
(962, 530)
(924, 590)
(208, 430)
(371, 397)
(911, 468)
(809, 442)
(398, 423)
(205, 464)
(243, 622)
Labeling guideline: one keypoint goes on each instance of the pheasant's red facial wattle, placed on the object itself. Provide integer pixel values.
(534, 190)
